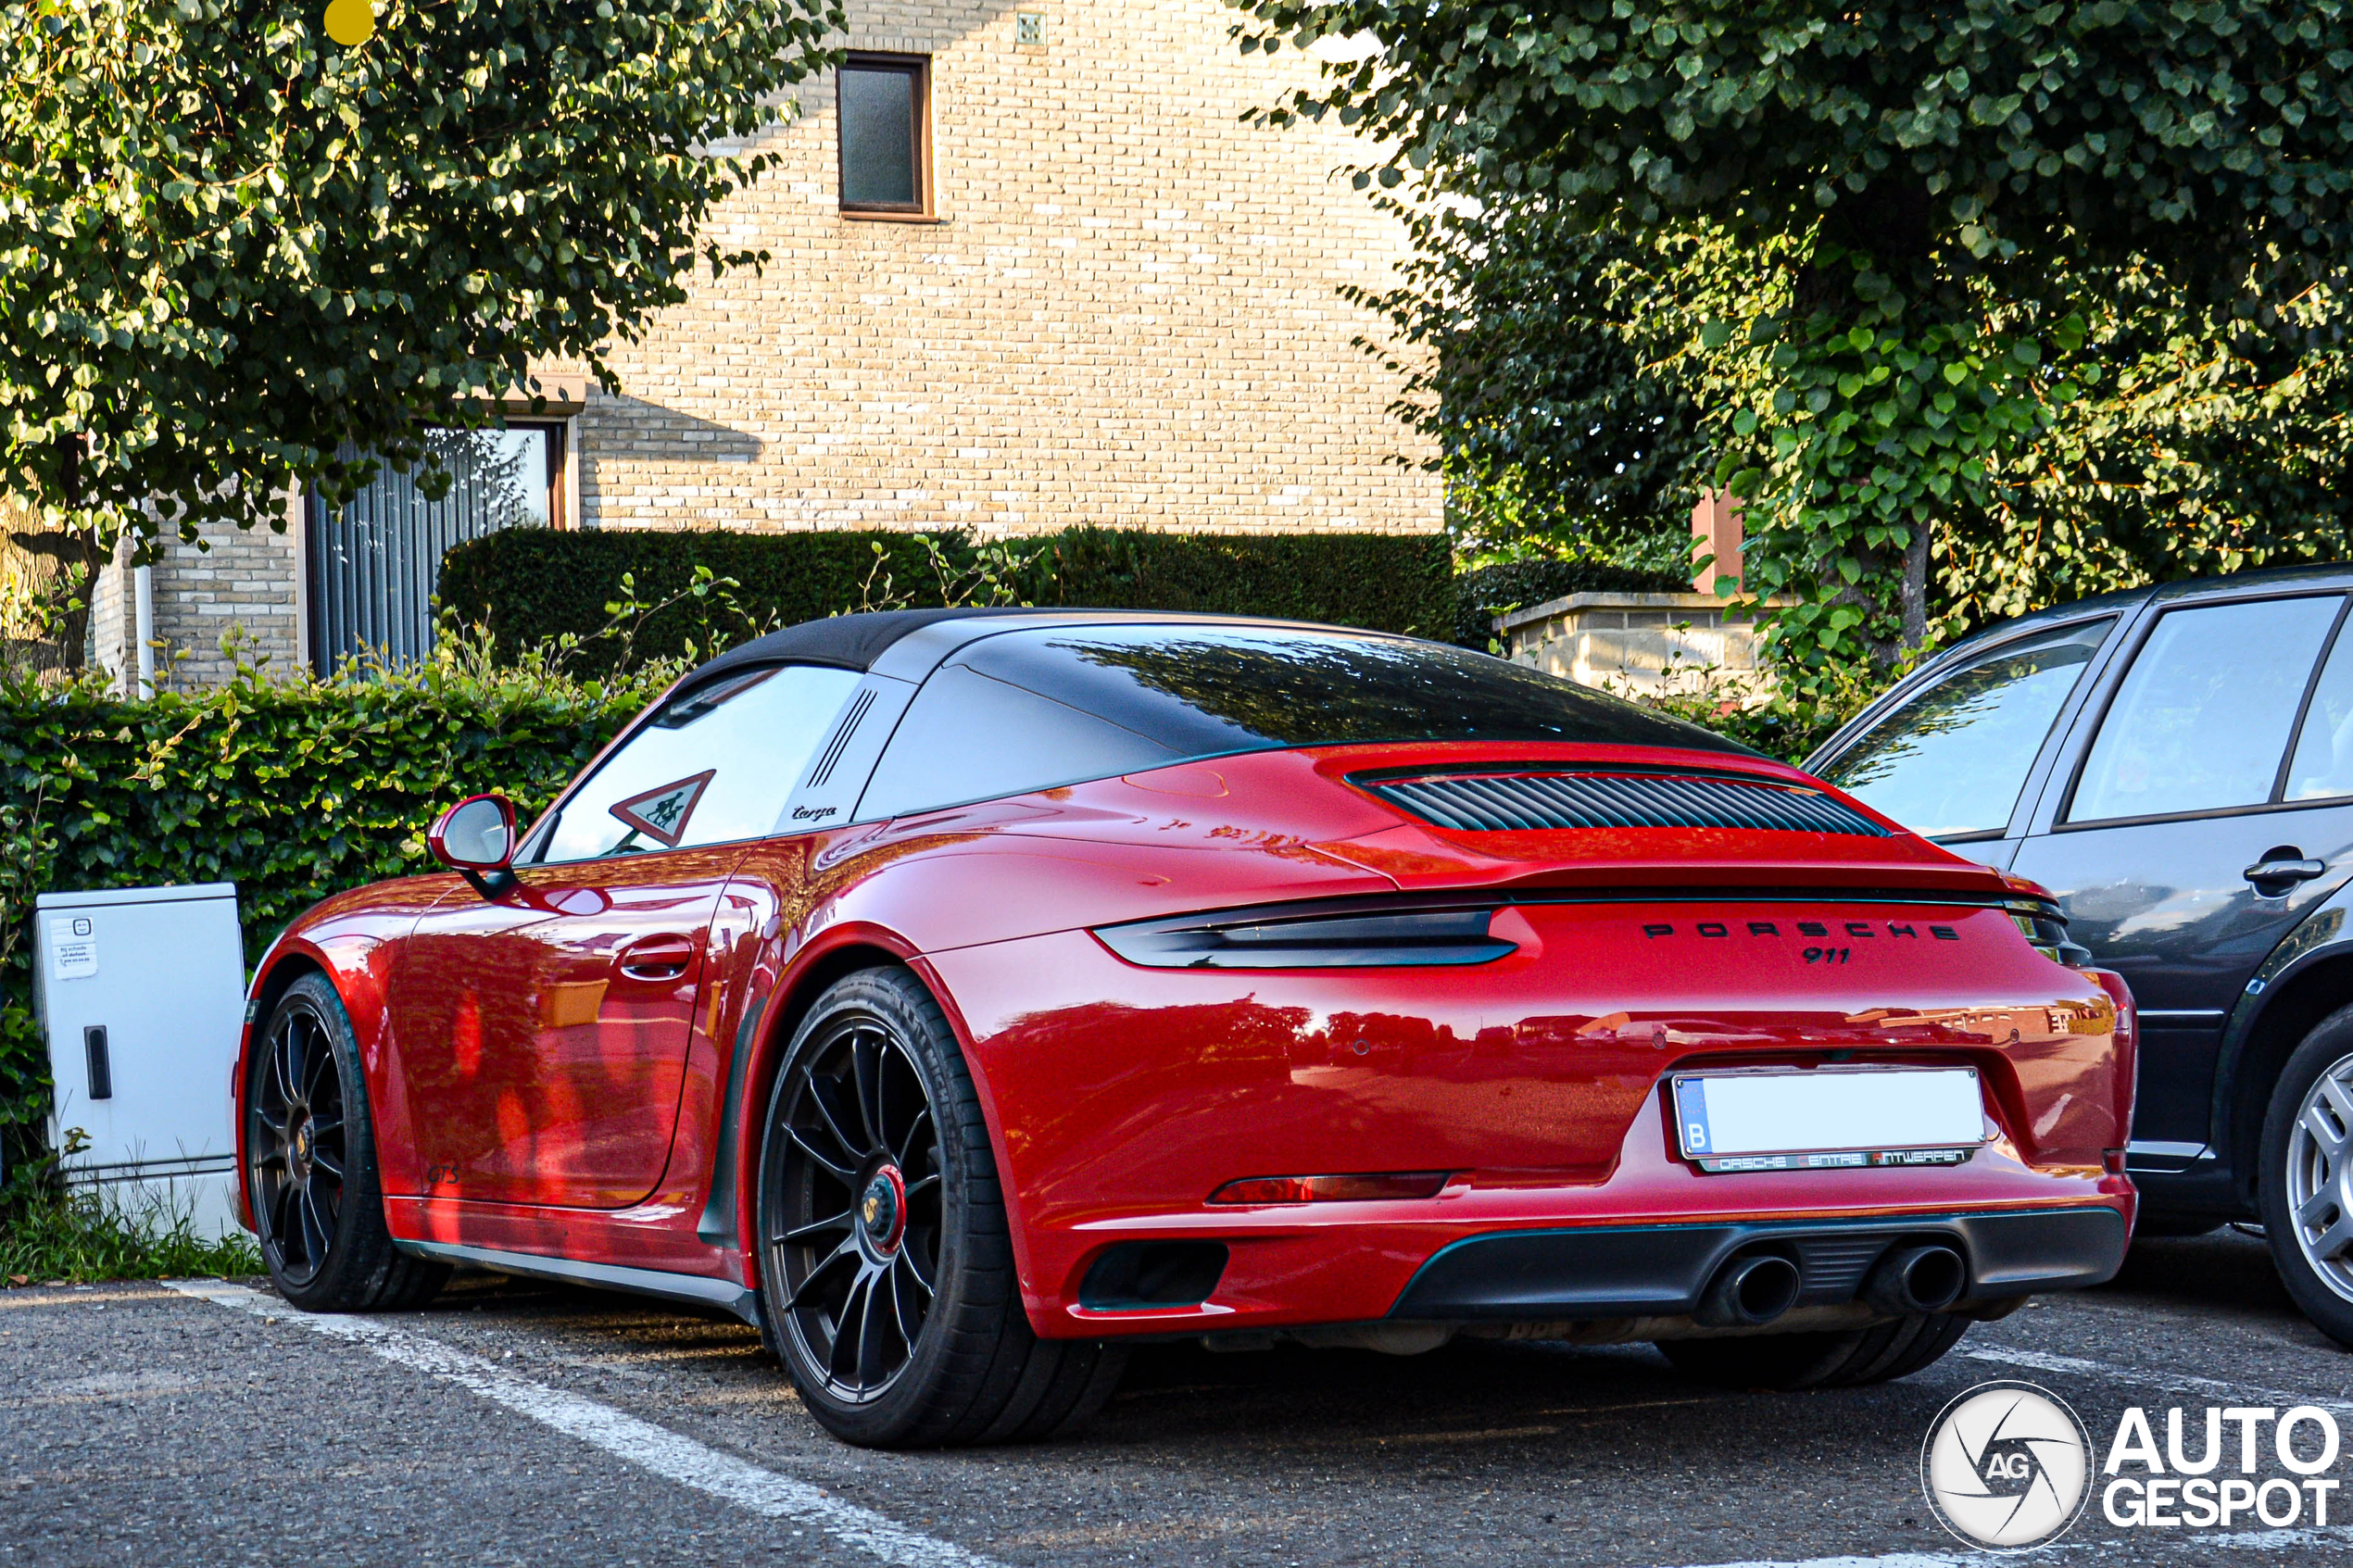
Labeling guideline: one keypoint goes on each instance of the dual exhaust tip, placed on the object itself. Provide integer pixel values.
(1754, 1288)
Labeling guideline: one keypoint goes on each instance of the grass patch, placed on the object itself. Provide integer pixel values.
(48, 1238)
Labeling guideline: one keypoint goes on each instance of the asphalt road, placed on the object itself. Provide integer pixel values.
(517, 1424)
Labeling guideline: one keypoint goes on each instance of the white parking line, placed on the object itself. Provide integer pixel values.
(2204, 1546)
(1893, 1560)
(2175, 1381)
(641, 1443)
(2334, 1537)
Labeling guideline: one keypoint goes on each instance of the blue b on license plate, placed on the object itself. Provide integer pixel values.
(1829, 1118)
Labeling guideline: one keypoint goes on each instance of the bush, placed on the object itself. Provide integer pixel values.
(529, 586)
(49, 1237)
(1383, 582)
(1491, 591)
(533, 585)
(292, 792)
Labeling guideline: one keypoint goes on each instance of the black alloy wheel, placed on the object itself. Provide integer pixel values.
(886, 1282)
(295, 1136)
(310, 1165)
(859, 1201)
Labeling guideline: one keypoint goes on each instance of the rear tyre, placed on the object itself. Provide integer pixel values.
(887, 1268)
(310, 1165)
(1792, 1361)
(2304, 1187)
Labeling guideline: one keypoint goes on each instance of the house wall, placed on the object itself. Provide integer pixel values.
(1642, 645)
(241, 582)
(1127, 313)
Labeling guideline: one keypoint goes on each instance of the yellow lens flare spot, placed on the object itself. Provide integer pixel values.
(351, 22)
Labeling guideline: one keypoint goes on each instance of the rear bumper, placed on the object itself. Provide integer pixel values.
(1660, 1271)
(1538, 1080)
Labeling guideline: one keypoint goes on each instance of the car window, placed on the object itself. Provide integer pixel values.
(1952, 759)
(1025, 710)
(714, 766)
(2202, 719)
(2323, 765)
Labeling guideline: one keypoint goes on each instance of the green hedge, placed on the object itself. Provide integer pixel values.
(290, 792)
(1489, 591)
(536, 585)
(1385, 582)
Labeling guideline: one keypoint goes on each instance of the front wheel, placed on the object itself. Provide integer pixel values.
(2304, 1187)
(1792, 1361)
(310, 1165)
(886, 1269)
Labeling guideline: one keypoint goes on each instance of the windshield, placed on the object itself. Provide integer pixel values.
(1198, 689)
(1028, 710)
(1953, 760)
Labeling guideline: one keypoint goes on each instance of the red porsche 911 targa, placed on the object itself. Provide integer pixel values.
(962, 996)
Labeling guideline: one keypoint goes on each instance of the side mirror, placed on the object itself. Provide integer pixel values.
(476, 839)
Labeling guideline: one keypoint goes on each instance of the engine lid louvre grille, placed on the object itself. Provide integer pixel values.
(1522, 801)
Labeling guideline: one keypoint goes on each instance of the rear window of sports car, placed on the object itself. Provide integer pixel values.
(1025, 710)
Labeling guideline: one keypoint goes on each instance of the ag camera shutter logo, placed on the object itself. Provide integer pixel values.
(2008, 1466)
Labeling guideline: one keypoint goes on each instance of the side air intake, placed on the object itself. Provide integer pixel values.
(1503, 802)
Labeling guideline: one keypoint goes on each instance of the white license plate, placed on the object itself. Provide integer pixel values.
(1829, 1118)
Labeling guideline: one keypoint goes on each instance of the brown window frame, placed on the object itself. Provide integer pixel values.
(918, 68)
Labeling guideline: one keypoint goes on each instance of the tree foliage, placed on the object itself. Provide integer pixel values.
(234, 254)
(1544, 378)
(2056, 287)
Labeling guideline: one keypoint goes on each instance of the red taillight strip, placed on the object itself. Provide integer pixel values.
(1333, 1189)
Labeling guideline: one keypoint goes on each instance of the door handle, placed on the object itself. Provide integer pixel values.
(656, 958)
(2281, 868)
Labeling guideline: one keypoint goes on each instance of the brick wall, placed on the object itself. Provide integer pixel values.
(1127, 313)
(243, 582)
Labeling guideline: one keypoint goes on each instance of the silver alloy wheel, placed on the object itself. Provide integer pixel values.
(2319, 1177)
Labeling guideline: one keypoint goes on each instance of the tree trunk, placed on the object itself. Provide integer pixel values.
(79, 556)
(1915, 590)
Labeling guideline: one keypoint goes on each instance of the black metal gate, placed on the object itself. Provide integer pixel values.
(375, 562)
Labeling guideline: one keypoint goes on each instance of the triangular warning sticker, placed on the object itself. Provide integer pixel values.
(661, 813)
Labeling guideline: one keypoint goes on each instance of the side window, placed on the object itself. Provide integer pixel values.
(2203, 718)
(2323, 765)
(716, 766)
(1952, 759)
(970, 736)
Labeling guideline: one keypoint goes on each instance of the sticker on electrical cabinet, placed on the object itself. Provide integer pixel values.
(73, 948)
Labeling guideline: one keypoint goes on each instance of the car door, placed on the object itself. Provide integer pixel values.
(1952, 761)
(543, 1035)
(2204, 804)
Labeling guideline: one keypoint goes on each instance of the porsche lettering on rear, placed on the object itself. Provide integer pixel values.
(1858, 929)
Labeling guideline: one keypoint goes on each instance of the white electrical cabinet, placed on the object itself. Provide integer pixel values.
(141, 992)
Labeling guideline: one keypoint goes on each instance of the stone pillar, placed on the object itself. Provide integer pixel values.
(1716, 532)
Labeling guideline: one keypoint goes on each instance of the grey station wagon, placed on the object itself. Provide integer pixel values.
(2176, 764)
